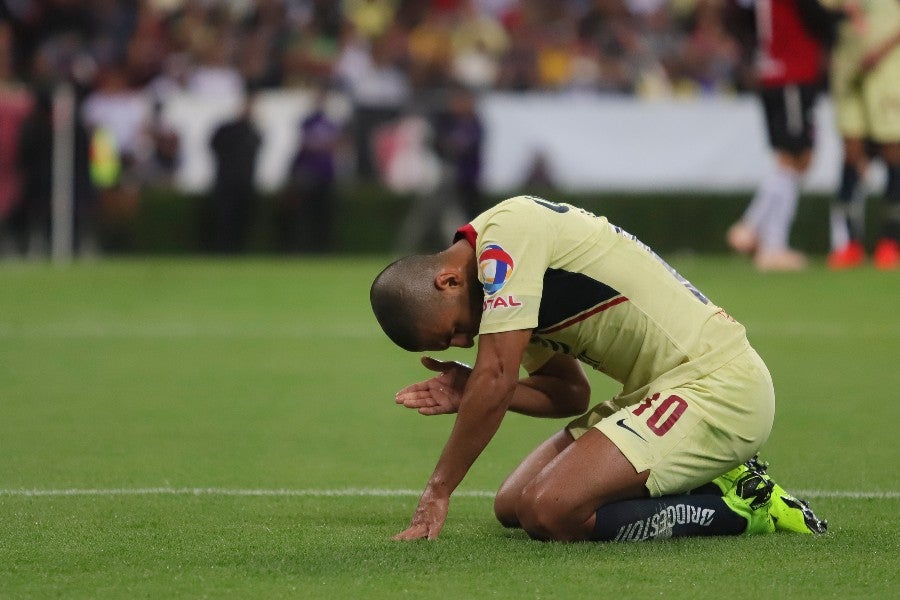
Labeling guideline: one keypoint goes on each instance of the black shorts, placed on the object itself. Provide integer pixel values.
(789, 116)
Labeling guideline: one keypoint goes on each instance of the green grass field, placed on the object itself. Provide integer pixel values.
(192, 428)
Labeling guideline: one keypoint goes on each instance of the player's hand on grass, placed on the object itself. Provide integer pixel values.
(439, 395)
(428, 519)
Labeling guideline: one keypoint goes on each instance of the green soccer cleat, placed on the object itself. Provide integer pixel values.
(750, 492)
(792, 514)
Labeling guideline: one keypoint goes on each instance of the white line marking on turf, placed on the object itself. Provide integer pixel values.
(355, 492)
(851, 494)
(186, 491)
(180, 330)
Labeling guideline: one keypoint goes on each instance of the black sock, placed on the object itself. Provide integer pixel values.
(851, 202)
(667, 516)
(849, 181)
(892, 203)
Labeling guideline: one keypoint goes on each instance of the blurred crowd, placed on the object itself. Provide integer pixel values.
(123, 56)
(377, 49)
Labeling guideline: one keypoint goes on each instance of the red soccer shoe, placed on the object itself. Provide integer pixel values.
(850, 256)
(887, 255)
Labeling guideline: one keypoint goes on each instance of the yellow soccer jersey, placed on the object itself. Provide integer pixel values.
(867, 102)
(591, 290)
(882, 21)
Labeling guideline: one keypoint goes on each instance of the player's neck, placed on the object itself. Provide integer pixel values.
(461, 256)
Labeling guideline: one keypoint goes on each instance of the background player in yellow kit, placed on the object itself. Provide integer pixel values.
(548, 286)
(865, 85)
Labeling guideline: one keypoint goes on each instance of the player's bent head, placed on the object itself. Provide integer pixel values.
(403, 296)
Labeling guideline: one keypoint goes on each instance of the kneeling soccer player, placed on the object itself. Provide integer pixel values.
(549, 286)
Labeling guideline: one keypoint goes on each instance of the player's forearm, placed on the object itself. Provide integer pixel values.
(481, 411)
(549, 396)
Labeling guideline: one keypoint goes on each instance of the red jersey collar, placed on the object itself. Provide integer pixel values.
(466, 232)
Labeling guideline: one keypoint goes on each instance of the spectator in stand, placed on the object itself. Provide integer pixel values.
(377, 85)
(30, 219)
(518, 66)
(865, 84)
(310, 56)
(264, 32)
(15, 105)
(119, 118)
(307, 220)
(430, 51)
(215, 76)
(231, 206)
(479, 41)
(147, 48)
(655, 41)
(370, 18)
(711, 57)
(555, 55)
(459, 135)
(607, 27)
(122, 110)
(790, 62)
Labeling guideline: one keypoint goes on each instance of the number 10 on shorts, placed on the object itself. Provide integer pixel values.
(671, 408)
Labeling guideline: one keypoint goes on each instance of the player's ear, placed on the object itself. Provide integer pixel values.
(448, 278)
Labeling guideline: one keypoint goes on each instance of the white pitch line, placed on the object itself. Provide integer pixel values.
(178, 330)
(170, 491)
(354, 492)
(851, 494)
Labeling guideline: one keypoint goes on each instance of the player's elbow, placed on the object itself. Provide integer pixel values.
(578, 398)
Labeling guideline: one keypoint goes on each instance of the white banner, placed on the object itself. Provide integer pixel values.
(589, 143)
(596, 143)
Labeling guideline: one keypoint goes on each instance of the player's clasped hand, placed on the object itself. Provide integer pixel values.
(438, 395)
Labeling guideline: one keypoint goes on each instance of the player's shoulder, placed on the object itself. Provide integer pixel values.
(528, 214)
(513, 209)
(529, 205)
(514, 203)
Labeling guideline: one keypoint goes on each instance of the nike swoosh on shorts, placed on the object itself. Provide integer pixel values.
(621, 423)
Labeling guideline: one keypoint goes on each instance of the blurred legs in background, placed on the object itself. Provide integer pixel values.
(765, 226)
(764, 229)
(848, 210)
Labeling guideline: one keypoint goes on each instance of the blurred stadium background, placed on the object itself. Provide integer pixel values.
(183, 426)
(634, 108)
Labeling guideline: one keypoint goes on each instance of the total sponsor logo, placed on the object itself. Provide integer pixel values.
(492, 302)
(496, 267)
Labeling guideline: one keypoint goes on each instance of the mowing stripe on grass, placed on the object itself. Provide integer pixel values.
(97, 330)
(177, 330)
(354, 492)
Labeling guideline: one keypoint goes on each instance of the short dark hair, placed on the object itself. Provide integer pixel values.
(402, 296)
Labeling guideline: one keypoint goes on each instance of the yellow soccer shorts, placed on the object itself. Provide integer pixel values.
(867, 106)
(688, 435)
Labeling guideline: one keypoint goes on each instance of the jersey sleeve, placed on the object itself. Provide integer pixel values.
(535, 356)
(514, 249)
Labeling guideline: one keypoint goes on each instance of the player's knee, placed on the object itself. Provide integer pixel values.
(505, 507)
(542, 517)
